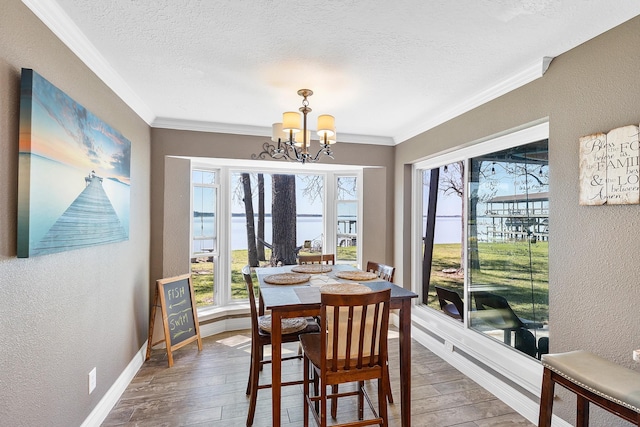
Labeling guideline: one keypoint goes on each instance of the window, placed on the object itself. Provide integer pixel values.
(204, 232)
(484, 235)
(255, 212)
(346, 219)
(235, 218)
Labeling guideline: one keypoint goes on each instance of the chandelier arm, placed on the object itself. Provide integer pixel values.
(267, 149)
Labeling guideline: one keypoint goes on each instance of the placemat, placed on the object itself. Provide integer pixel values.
(289, 325)
(345, 288)
(356, 275)
(312, 268)
(287, 278)
(308, 294)
(321, 280)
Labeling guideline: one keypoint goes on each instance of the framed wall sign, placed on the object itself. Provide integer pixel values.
(610, 167)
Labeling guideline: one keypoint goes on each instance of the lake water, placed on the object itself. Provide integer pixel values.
(307, 228)
(54, 186)
(449, 230)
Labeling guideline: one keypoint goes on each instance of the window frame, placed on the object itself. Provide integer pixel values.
(359, 211)
(448, 336)
(216, 187)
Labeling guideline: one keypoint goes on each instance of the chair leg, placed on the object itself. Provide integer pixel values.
(382, 403)
(252, 387)
(260, 355)
(323, 405)
(582, 412)
(316, 389)
(361, 400)
(334, 401)
(546, 399)
(253, 398)
(388, 386)
(305, 389)
(250, 375)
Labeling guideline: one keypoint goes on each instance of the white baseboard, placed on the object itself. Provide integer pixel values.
(233, 324)
(502, 390)
(109, 400)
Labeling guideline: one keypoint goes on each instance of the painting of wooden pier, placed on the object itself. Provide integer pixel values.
(74, 174)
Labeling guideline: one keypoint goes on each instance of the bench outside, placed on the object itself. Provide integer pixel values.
(593, 379)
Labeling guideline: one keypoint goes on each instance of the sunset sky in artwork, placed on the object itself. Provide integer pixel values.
(64, 131)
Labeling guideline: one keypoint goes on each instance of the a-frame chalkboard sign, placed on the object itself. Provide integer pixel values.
(179, 320)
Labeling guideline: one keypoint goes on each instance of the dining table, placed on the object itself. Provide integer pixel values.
(303, 300)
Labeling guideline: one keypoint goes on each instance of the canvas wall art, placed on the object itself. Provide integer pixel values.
(74, 174)
(610, 167)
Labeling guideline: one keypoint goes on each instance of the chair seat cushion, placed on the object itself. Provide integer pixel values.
(289, 325)
(598, 375)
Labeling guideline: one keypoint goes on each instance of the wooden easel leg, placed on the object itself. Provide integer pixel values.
(152, 321)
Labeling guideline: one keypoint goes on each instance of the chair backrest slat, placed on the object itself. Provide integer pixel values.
(360, 339)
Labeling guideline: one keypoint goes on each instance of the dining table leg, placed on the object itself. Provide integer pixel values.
(276, 365)
(405, 362)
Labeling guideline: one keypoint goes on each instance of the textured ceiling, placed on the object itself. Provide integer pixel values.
(386, 70)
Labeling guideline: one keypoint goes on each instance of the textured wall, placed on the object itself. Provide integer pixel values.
(177, 217)
(593, 251)
(66, 313)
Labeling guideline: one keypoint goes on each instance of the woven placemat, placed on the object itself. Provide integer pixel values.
(345, 288)
(356, 275)
(287, 278)
(289, 325)
(312, 268)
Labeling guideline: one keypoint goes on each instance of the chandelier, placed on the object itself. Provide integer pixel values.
(293, 137)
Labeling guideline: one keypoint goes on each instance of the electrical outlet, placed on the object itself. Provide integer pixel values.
(636, 355)
(92, 380)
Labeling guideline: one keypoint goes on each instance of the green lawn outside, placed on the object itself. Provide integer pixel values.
(505, 265)
(501, 264)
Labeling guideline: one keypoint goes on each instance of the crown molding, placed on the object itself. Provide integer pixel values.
(203, 126)
(529, 74)
(52, 15)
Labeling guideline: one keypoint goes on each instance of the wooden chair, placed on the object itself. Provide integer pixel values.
(383, 271)
(450, 303)
(351, 347)
(317, 259)
(260, 336)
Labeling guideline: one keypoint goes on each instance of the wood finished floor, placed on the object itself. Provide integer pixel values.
(207, 388)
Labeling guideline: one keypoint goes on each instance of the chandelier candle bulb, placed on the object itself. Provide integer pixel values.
(326, 125)
(291, 121)
(277, 134)
(298, 138)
